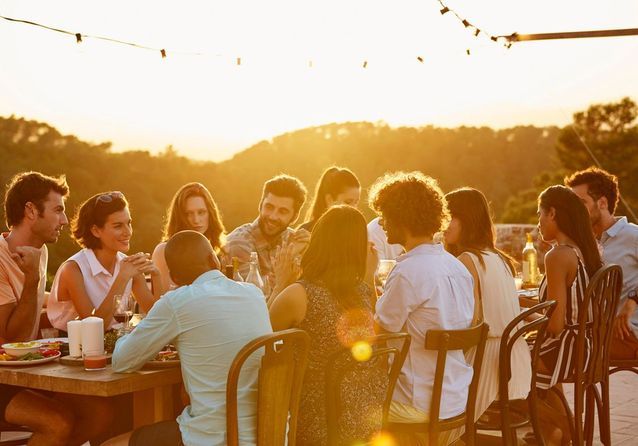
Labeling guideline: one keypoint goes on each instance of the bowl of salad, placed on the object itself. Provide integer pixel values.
(19, 349)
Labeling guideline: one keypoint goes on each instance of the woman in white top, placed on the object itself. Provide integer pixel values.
(471, 236)
(192, 208)
(87, 283)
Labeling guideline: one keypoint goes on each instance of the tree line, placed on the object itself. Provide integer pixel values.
(510, 165)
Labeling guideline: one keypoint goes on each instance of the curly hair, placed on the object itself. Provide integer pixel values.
(412, 199)
(600, 183)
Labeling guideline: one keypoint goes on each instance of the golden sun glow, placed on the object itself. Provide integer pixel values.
(302, 65)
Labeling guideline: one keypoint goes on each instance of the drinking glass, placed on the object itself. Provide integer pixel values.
(383, 270)
(125, 304)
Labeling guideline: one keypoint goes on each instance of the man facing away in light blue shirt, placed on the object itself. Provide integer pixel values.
(209, 318)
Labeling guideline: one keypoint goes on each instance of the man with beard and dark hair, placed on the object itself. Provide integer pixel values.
(281, 200)
(34, 210)
(618, 238)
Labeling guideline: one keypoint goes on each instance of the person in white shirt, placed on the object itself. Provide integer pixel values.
(378, 238)
(209, 318)
(428, 289)
(89, 282)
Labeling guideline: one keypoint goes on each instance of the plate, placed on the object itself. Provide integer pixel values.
(53, 340)
(32, 362)
(162, 364)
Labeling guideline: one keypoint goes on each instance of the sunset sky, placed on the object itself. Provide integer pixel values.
(207, 107)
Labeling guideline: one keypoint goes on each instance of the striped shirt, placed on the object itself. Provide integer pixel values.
(558, 352)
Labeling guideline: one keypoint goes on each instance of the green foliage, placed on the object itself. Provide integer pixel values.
(501, 163)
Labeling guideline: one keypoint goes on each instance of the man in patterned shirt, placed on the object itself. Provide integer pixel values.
(281, 200)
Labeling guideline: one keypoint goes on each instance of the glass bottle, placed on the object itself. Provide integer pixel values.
(530, 263)
(236, 276)
(254, 275)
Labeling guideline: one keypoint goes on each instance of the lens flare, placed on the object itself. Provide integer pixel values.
(361, 351)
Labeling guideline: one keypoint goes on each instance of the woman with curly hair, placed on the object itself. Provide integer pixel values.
(428, 289)
(192, 207)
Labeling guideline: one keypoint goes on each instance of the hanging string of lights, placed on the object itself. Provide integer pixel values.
(164, 52)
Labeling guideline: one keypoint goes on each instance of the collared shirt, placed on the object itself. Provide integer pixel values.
(620, 246)
(377, 236)
(97, 283)
(429, 289)
(12, 280)
(208, 321)
(248, 238)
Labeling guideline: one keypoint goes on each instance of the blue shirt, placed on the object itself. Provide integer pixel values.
(209, 322)
(620, 246)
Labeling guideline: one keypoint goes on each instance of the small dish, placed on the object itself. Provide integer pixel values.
(19, 349)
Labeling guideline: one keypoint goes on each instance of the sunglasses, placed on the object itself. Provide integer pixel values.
(109, 196)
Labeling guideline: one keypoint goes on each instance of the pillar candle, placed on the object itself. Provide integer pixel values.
(93, 336)
(74, 330)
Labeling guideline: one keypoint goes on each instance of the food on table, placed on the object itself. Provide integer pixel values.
(40, 353)
(18, 349)
(167, 354)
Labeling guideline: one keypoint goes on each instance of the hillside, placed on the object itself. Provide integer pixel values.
(501, 163)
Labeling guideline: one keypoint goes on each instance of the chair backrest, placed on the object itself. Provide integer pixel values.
(343, 362)
(283, 364)
(517, 328)
(444, 341)
(601, 297)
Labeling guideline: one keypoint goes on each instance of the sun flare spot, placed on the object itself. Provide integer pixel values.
(361, 351)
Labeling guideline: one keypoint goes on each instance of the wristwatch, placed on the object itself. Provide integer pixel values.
(633, 295)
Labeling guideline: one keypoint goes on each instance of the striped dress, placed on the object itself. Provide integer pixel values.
(558, 352)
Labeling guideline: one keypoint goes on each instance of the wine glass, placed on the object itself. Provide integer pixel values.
(125, 304)
(383, 270)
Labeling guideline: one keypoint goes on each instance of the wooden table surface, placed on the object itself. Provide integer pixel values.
(152, 389)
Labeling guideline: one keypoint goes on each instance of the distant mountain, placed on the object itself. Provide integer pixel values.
(501, 163)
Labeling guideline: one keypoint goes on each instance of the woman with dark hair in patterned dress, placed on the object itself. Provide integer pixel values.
(332, 301)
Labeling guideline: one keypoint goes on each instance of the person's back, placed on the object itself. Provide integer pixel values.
(209, 321)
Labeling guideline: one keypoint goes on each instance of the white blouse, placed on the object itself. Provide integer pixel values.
(97, 283)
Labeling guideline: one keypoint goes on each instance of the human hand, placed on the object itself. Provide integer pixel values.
(28, 260)
(286, 265)
(133, 265)
(622, 327)
(300, 239)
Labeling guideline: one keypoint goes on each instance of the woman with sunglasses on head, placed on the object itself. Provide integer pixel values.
(88, 282)
(192, 207)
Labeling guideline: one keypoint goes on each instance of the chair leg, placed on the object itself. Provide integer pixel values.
(589, 415)
(570, 415)
(532, 401)
(604, 419)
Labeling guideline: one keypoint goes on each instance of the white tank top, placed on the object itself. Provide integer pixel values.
(97, 283)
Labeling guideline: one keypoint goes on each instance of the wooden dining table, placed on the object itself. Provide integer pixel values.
(153, 390)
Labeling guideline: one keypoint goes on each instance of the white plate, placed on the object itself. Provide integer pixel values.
(53, 340)
(33, 362)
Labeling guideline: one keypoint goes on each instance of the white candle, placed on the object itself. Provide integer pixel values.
(74, 330)
(93, 336)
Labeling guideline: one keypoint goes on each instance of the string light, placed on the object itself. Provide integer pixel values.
(466, 23)
(79, 38)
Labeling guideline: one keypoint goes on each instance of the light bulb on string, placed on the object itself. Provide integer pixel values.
(163, 53)
(444, 10)
(78, 38)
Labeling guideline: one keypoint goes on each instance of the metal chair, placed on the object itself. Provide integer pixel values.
(443, 341)
(283, 365)
(342, 362)
(509, 420)
(594, 327)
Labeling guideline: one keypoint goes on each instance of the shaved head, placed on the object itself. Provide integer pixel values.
(189, 255)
